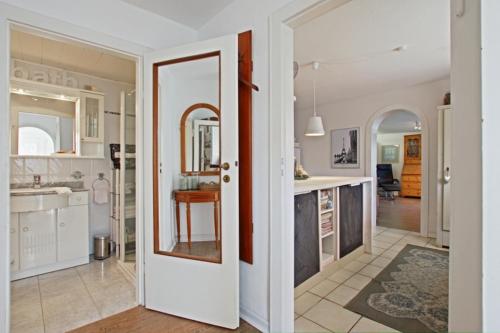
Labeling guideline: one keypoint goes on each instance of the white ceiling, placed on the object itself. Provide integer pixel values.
(354, 45)
(192, 13)
(71, 56)
(399, 121)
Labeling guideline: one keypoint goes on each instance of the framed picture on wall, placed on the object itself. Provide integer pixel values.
(390, 154)
(345, 148)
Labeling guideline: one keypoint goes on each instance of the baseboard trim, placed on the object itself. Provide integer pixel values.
(254, 319)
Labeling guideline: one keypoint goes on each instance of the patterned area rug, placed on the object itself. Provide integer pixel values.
(410, 294)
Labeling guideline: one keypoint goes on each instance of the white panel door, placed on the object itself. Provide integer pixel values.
(72, 232)
(38, 238)
(203, 285)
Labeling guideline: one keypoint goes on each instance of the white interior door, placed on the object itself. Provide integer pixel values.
(192, 272)
(447, 116)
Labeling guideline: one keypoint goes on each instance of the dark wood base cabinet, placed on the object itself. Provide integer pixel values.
(351, 218)
(307, 261)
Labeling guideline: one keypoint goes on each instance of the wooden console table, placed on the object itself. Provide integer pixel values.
(189, 197)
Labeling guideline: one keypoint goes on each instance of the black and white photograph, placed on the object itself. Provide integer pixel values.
(345, 148)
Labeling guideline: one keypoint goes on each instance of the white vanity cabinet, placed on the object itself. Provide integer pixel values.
(92, 117)
(37, 238)
(14, 242)
(72, 225)
(51, 236)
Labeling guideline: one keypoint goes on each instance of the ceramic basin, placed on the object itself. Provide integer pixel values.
(30, 200)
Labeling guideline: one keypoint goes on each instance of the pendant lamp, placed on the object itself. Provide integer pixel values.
(315, 124)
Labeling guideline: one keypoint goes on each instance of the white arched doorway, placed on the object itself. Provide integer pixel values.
(371, 157)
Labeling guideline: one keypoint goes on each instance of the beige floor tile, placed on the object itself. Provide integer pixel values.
(371, 271)
(341, 275)
(387, 238)
(377, 250)
(398, 247)
(324, 288)
(332, 316)
(305, 302)
(354, 266)
(366, 258)
(381, 244)
(390, 254)
(26, 317)
(381, 262)
(342, 295)
(305, 325)
(296, 315)
(114, 299)
(357, 281)
(365, 325)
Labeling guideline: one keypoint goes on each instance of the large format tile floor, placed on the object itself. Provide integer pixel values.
(66, 299)
(321, 307)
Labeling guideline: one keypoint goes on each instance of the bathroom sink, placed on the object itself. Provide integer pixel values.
(42, 190)
(30, 199)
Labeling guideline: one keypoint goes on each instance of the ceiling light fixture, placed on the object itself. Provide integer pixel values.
(418, 126)
(315, 124)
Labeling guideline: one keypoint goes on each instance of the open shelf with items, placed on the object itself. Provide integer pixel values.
(327, 224)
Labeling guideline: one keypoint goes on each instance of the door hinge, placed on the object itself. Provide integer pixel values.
(282, 166)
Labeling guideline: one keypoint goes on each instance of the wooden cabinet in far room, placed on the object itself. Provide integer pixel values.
(411, 176)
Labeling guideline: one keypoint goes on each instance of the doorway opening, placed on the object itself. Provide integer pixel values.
(73, 255)
(347, 107)
(399, 168)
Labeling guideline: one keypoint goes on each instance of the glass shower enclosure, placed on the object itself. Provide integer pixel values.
(127, 178)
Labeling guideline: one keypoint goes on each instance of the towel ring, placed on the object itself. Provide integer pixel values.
(101, 178)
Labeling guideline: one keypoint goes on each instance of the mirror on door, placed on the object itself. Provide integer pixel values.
(186, 151)
(42, 126)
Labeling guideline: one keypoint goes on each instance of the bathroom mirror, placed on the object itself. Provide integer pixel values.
(42, 126)
(200, 140)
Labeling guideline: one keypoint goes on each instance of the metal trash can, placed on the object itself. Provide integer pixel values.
(101, 247)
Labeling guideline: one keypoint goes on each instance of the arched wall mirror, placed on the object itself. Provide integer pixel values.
(200, 140)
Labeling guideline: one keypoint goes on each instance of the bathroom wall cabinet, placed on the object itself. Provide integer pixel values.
(92, 117)
(42, 241)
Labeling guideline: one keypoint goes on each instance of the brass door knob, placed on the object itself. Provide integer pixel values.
(226, 178)
(225, 166)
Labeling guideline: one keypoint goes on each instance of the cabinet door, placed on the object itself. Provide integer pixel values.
(72, 232)
(38, 238)
(350, 218)
(14, 242)
(92, 117)
(307, 261)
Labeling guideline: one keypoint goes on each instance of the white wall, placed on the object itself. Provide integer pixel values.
(356, 113)
(242, 15)
(491, 160)
(392, 139)
(466, 302)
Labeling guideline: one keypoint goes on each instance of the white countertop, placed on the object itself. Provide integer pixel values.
(319, 182)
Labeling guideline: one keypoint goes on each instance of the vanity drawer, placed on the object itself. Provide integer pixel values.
(78, 198)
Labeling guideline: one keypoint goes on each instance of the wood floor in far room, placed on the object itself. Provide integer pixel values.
(141, 320)
(400, 213)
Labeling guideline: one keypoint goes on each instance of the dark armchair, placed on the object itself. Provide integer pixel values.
(386, 181)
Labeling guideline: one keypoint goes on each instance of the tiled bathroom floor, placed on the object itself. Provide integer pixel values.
(321, 307)
(70, 298)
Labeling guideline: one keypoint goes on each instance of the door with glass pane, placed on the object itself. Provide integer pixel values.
(128, 178)
(191, 206)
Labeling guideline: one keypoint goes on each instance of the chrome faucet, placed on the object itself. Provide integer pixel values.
(37, 181)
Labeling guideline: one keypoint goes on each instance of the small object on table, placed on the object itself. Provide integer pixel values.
(300, 173)
(183, 183)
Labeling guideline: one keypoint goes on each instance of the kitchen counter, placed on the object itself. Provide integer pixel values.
(319, 182)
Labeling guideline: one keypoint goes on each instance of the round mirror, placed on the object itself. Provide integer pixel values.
(200, 140)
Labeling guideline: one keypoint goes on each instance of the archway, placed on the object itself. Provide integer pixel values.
(371, 157)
